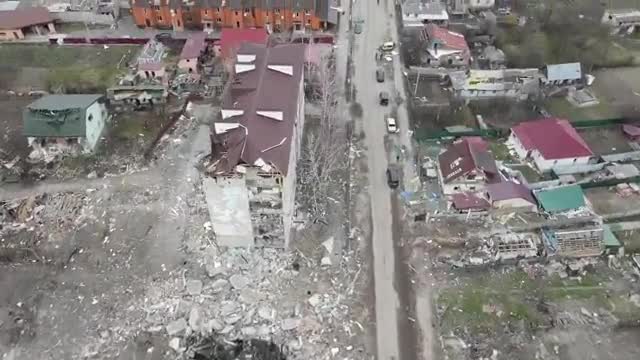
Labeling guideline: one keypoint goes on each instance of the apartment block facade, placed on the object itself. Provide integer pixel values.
(275, 15)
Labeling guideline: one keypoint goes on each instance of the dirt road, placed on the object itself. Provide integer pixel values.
(396, 335)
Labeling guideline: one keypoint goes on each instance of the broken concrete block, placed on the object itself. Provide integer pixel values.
(249, 331)
(219, 285)
(328, 245)
(228, 308)
(238, 281)
(212, 270)
(325, 261)
(195, 322)
(232, 319)
(175, 344)
(289, 324)
(215, 324)
(315, 300)
(92, 175)
(176, 327)
(266, 313)
(194, 287)
(334, 351)
(264, 330)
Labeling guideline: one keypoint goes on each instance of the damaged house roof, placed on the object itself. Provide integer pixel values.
(262, 97)
(466, 155)
(194, 46)
(58, 115)
(231, 39)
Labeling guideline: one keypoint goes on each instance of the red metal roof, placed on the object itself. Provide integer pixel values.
(231, 39)
(509, 190)
(451, 39)
(553, 138)
(468, 154)
(469, 201)
(20, 18)
(194, 46)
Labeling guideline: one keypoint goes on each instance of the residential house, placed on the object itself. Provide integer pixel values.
(18, 23)
(549, 143)
(150, 61)
(59, 123)
(467, 165)
(231, 39)
(587, 240)
(419, 12)
(273, 15)
(502, 83)
(152, 71)
(510, 195)
(255, 147)
(621, 19)
(476, 5)
(562, 74)
(445, 48)
(193, 49)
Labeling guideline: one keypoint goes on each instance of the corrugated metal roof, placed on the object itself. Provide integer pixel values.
(57, 116)
(19, 18)
(553, 138)
(64, 101)
(561, 199)
(569, 71)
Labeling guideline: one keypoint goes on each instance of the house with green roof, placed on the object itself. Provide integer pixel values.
(561, 199)
(56, 123)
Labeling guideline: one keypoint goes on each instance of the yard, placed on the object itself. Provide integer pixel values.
(561, 107)
(73, 69)
(605, 200)
(606, 141)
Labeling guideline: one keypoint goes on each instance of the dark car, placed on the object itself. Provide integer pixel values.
(393, 176)
(384, 98)
(380, 75)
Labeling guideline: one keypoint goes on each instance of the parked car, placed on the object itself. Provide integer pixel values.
(393, 176)
(384, 98)
(388, 46)
(380, 75)
(392, 126)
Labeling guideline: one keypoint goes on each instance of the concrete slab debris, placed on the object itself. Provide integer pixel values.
(315, 300)
(194, 287)
(229, 211)
(174, 343)
(238, 282)
(176, 327)
(289, 324)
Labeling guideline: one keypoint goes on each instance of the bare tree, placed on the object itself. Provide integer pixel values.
(324, 154)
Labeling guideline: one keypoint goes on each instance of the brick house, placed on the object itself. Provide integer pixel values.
(274, 15)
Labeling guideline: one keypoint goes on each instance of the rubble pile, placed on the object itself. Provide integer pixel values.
(256, 295)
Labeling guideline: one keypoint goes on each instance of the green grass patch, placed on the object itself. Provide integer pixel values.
(630, 239)
(71, 69)
(500, 151)
(130, 129)
(561, 107)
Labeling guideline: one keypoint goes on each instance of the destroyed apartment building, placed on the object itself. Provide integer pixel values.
(60, 124)
(256, 142)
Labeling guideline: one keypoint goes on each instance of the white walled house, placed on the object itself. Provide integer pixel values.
(193, 48)
(257, 141)
(511, 196)
(61, 123)
(549, 143)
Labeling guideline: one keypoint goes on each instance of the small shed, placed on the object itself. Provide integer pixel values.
(632, 132)
(561, 199)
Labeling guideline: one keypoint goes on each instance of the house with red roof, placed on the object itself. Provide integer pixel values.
(511, 195)
(231, 39)
(467, 165)
(549, 143)
(445, 47)
(17, 23)
(255, 146)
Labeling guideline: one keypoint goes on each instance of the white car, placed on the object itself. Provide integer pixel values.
(388, 46)
(392, 126)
